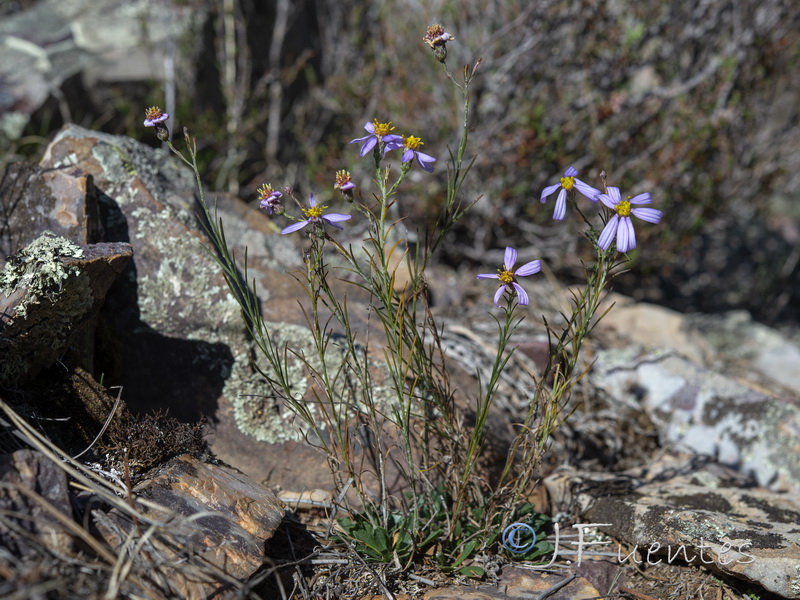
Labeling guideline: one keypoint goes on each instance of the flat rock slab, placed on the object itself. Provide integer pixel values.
(750, 534)
(212, 514)
(521, 583)
(515, 583)
(707, 413)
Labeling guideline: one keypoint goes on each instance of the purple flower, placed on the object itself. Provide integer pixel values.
(508, 277)
(154, 116)
(568, 181)
(620, 224)
(270, 199)
(315, 215)
(411, 144)
(343, 182)
(379, 134)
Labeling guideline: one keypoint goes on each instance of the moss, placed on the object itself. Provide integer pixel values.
(147, 441)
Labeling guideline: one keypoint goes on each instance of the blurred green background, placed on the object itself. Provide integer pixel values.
(695, 102)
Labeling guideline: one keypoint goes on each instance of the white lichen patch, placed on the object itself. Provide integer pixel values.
(50, 299)
(38, 270)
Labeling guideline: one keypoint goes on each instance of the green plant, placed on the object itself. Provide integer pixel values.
(375, 420)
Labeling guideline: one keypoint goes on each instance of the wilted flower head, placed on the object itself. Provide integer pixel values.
(411, 144)
(620, 225)
(508, 277)
(437, 38)
(567, 183)
(379, 133)
(270, 199)
(344, 184)
(314, 215)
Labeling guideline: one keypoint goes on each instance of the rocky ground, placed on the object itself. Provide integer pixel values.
(683, 443)
(140, 455)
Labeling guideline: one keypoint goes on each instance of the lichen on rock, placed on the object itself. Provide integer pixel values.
(37, 268)
(261, 413)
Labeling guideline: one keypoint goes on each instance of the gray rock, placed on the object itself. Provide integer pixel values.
(34, 200)
(185, 347)
(740, 342)
(707, 413)
(747, 533)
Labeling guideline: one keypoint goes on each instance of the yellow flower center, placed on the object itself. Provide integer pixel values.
(412, 143)
(624, 208)
(153, 113)
(506, 276)
(382, 129)
(567, 183)
(315, 212)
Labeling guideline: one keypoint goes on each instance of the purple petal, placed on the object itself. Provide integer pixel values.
(361, 139)
(336, 217)
(368, 145)
(510, 258)
(612, 198)
(499, 294)
(626, 238)
(393, 139)
(609, 231)
(333, 218)
(522, 295)
(425, 161)
(156, 121)
(587, 190)
(651, 215)
(294, 227)
(347, 186)
(548, 190)
(641, 199)
(561, 206)
(407, 156)
(529, 268)
(370, 127)
(571, 171)
(605, 199)
(488, 276)
(311, 200)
